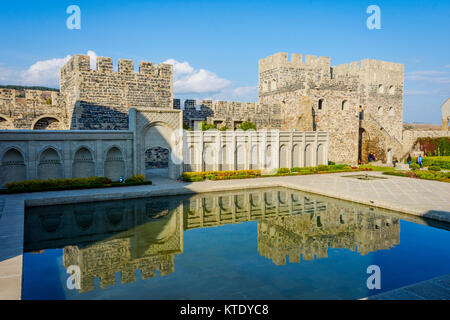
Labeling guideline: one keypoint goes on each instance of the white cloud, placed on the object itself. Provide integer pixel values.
(422, 92)
(190, 80)
(40, 73)
(432, 76)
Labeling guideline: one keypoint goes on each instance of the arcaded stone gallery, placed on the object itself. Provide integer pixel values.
(118, 124)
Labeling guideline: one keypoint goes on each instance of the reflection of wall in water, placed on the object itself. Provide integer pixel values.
(214, 210)
(111, 238)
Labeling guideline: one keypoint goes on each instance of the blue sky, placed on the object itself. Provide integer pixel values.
(215, 45)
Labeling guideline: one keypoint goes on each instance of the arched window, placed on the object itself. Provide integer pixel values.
(344, 105)
(391, 111)
(380, 88)
(320, 104)
(273, 85)
(391, 90)
(380, 110)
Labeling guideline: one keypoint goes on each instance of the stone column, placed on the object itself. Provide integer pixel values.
(31, 160)
(67, 159)
(99, 161)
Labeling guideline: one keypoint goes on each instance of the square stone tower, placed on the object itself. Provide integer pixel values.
(345, 100)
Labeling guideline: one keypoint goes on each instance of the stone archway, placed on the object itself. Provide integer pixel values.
(363, 146)
(371, 140)
(158, 128)
(157, 160)
(47, 123)
(158, 145)
(6, 123)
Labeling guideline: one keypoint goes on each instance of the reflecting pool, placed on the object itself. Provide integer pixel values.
(272, 243)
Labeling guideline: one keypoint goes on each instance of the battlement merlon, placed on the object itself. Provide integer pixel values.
(281, 59)
(81, 63)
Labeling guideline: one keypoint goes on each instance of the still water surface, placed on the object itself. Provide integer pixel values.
(272, 243)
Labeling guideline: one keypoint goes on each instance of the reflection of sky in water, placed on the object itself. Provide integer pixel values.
(231, 261)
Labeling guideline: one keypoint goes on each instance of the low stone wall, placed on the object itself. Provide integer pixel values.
(241, 150)
(155, 140)
(411, 136)
(41, 154)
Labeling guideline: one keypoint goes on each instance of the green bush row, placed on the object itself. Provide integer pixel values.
(442, 162)
(67, 184)
(422, 174)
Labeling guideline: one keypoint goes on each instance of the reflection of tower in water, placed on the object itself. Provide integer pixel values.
(332, 226)
(149, 247)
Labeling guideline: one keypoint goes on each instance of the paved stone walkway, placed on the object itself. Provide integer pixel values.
(433, 289)
(421, 198)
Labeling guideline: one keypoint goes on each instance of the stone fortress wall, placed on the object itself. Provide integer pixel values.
(31, 109)
(100, 99)
(359, 104)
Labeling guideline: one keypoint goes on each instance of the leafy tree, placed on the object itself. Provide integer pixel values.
(186, 127)
(247, 125)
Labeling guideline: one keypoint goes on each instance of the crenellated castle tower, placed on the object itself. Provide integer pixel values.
(100, 99)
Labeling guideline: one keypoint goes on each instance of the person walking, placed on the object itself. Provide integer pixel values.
(419, 160)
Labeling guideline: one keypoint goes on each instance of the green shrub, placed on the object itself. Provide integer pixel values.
(135, 179)
(224, 128)
(283, 170)
(331, 163)
(247, 125)
(211, 177)
(414, 166)
(434, 168)
(57, 184)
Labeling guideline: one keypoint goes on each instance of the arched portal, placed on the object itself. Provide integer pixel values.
(12, 167)
(363, 146)
(47, 123)
(158, 137)
(5, 123)
(157, 158)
